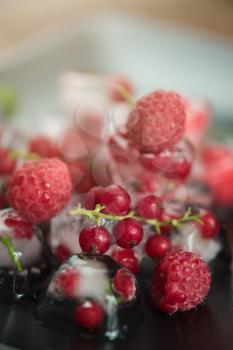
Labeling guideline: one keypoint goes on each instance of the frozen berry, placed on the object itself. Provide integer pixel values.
(116, 200)
(21, 228)
(150, 207)
(93, 197)
(42, 146)
(39, 190)
(62, 252)
(7, 163)
(89, 315)
(120, 87)
(157, 246)
(67, 281)
(2, 200)
(210, 226)
(181, 281)
(94, 239)
(157, 122)
(124, 284)
(128, 233)
(127, 258)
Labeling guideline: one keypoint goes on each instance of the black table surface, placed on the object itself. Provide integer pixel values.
(210, 326)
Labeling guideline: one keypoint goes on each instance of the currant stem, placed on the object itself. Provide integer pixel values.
(125, 94)
(97, 216)
(17, 154)
(7, 242)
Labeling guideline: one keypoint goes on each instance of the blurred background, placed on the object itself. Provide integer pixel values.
(185, 45)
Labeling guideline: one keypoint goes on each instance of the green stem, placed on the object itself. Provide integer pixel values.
(97, 216)
(17, 154)
(7, 242)
(125, 94)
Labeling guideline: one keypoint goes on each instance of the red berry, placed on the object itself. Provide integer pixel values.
(157, 122)
(94, 239)
(124, 284)
(210, 226)
(127, 258)
(7, 164)
(168, 215)
(39, 190)
(2, 201)
(116, 200)
(62, 252)
(42, 146)
(157, 246)
(21, 228)
(181, 281)
(81, 174)
(66, 282)
(150, 207)
(89, 315)
(119, 87)
(128, 233)
(93, 197)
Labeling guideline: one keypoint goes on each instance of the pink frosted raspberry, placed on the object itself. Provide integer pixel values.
(157, 122)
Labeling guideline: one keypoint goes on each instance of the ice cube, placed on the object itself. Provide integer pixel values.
(97, 281)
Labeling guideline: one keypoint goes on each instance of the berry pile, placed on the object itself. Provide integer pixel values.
(107, 210)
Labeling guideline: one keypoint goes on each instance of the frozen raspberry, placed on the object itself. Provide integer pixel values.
(210, 226)
(157, 246)
(66, 282)
(157, 122)
(128, 233)
(127, 258)
(181, 281)
(89, 315)
(21, 228)
(42, 146)
(62, 252)
(124, 284)
(39, 190)
(119, 87)
(94, 239)
(150, 207)
(93, 197)
(115, 199)
(7, 164)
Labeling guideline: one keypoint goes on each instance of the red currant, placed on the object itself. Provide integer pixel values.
(2, 201)
(210, 226)
(7, 164)
(43, 146)
(157, 246)
(124, 284)
(94, 239)
(127, 258)
(150, 207)
(116, 200)
(89, 315)
(62, 252)
(128, 233)
(93, 197)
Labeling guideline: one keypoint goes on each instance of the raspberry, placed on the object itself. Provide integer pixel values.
(157, 122)
(39, 190)
(210, 226)
(94, 239)
(157, 246)
(93, 197)
(124, 284)
(62, 252)
(119, 87)
(128, 233)
(127, 258)
(115, 199)
(181, 281)
(66, 282)
(150, 207)
(89, 315)
(7, 164)
(43, 146)
(21, 228)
